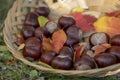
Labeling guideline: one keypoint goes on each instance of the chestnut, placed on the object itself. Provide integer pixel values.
(32, 48)
(105, 59)
(74, 31)
(99, 38)
(28, 31)
(62, 62)
(43, 11)
(71, 41)
(40, 32)
(74, 35)
(115, 50)
(84, 63)
(31, 19)
(51, 26)
(66, 51)
(66, 21)
(115, 41)
(47, 57)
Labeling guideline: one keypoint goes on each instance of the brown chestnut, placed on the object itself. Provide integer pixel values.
(104, 60)
(31, 19)
(115, 41)
(115, 50)
(28, 31)
(66, 21)
(43, 11)
(62, 62)
(99, 38)
(40, 32)
(51, 26)
(66, 51)
(73, 34)
(47, 57)
(84, 63)
(32, 48)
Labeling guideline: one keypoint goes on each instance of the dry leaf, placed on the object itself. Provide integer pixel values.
(21, 46)
(84, 22)
(114, 13)
(101, 48)
(109, 25)
(78, 52)
(10, 62)
(58, 40)
(47, 44)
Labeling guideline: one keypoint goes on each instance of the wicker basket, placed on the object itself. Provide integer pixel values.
(13, 25)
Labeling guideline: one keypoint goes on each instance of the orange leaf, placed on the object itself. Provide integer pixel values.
(114, 13)
(78, 52)
(101, 48)
(58, 40)
(47, 44)
(109, 25)
(11, 62)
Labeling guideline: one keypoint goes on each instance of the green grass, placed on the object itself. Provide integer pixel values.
(19, 70)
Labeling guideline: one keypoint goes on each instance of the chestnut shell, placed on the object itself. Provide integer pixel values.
(32, 48)
(31, 19)
(115, 41)
(47, 57)
(104, 60)
(28, 31)
(51, 26)
(66, 51)
(85, 60)
(99, 38)
(66, 21)
(115, 50)
(73, 35)
(62, 63)
(41, 32)
(43, 11)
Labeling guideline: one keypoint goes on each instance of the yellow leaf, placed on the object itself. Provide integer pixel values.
(77, 9)
(101, 24)
(21, 46)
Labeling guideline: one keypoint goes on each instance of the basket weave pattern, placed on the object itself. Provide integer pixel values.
(13, 25)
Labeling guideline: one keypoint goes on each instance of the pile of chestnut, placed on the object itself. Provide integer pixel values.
(33, 35)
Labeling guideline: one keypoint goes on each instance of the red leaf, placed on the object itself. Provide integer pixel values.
(90, 19)
(101, 48)
(84, 22)
(58, 40)
(114, 13)
(78, 52)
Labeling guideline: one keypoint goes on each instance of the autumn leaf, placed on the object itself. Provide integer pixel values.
(21, 46)
(78, 52)
(47, 44)
(58, 40)
(84, 22)
(42, 21)
(11, 62)
(114, 13)
(101, 48)
(109, 25)
(77, 9)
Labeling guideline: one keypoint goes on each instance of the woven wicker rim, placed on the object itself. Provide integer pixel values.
(111, 70)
